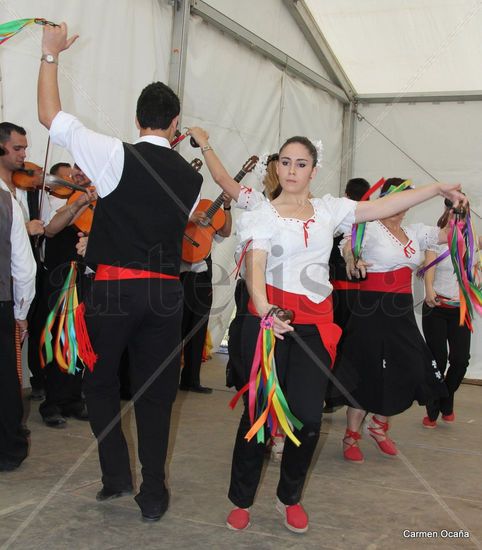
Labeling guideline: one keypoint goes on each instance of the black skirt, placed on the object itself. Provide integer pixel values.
(383, 361)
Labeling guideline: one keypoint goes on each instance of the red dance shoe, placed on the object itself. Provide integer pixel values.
(296, 519)
(352, 453)
(386, 446)
(427, 423)
(448, 418)
(238, 519)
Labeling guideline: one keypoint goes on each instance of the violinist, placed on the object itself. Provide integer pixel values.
(13, 147)
(13, 144)
(62, 391)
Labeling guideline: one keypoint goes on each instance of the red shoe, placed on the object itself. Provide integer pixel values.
(449, 418)
(386, 446)
(296, 519)
(430, 424)
(352, 453)
(238, 519)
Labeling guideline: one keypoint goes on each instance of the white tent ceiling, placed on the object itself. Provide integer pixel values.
(393, 46)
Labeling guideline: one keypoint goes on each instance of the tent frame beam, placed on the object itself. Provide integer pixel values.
(427, 97)
(177, 62)
(320, 46)
(258, 44)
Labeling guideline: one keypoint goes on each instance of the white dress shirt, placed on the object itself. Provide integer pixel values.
(23, 267)
(101, 157)
(20, 197)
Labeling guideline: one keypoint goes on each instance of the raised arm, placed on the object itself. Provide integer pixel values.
(54, 41)
(215, 166)
(398, 202)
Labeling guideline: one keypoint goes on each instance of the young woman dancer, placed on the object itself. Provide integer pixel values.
(287, 266)
(443, 334)
(384, 361)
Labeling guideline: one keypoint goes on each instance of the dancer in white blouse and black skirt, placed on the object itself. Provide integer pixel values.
(287, 266)
(445, 337)
(384, 361)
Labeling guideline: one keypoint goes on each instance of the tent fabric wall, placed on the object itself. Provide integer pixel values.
(445, 141)
(249, 107)
(271, 20)
(123, 46)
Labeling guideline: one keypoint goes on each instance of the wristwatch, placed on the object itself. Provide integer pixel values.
(49, 58)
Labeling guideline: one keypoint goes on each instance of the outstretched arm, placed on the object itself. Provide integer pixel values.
(398, 202)
(215, 166)
(54, 41)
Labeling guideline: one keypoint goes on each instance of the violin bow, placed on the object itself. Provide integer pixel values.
(42, 190)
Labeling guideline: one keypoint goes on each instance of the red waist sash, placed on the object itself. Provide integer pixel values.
(114, 273)
(398, 281)
(307, 312)
(345, 285)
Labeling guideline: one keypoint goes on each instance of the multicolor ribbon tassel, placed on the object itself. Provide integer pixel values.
(266, 401)
(358, 229)
(466, 261)
(11, 28)
(71, 341)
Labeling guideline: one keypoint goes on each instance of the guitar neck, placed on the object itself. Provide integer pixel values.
(216, 205)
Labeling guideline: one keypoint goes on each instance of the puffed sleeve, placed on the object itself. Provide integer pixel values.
(342, 211)
(258, 226)
(427, 235)
(249, 198)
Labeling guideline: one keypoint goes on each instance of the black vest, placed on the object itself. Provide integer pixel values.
(141, 223)
(6, 216)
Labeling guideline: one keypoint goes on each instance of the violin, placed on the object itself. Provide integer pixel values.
(84, 221)
(27, 178)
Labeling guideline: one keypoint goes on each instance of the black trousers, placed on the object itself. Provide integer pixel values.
(446, 340)
(62, 390)
(36, 320)
(235, 340)
(13, 444)
(198, 298)
(304, 385)
(145, 316)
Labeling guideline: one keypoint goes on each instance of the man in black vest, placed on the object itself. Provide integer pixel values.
(17, 289)
(146, 192)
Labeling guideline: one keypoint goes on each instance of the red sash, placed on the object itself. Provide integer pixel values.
(113, 273)
(398, 281)
(345, 285)
(307, 312)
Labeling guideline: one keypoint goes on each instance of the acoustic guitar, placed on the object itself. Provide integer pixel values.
(198, 237)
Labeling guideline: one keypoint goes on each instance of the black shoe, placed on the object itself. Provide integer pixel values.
(152, 512)
(80, 412)
(24, 430)
(55, 420)
(37, 394)
(7, 465)
(110, 494)
(196, 388)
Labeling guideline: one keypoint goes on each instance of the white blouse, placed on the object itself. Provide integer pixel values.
(249, 198)
(385, 252)
(445, 281)
(298, 251)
